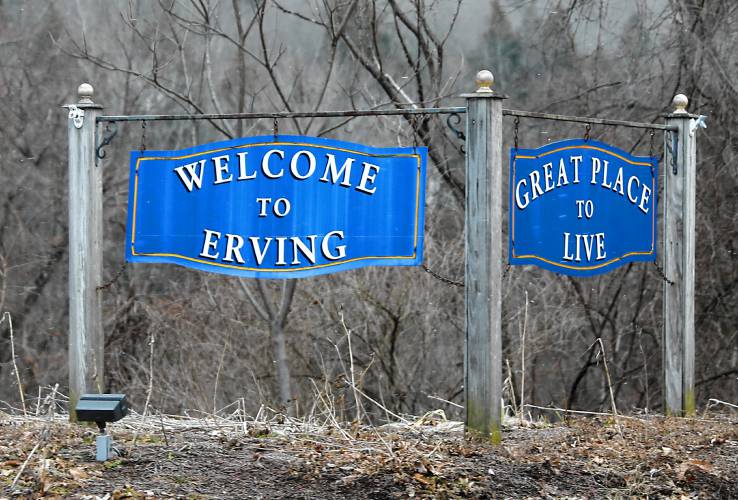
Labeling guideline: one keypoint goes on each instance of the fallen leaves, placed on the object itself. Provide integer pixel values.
(658, 457)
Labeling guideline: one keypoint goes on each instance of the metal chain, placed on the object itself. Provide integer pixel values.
(275, 129)
(515, 132)
(444, 279)
(114, 278)
(143, 136)
(661, 273)
(506, 271)
(650, 144)
(587, 129)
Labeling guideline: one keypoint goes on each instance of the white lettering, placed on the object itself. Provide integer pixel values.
(330, 167)
(311, 165)
(632, 198)
(645, 196)
(567, 256)
(259, 253)
(233, 249)
(280, 251)
(548, 177)
(535, 184)
(284, 211)
(191, 180)
(297, 244)
(209, 244)
(340, 249)
(242, 175)
(575, 160)
(265, 164)
(264, 202)
(619, 182)
(521, 205)
(601, 254)
(221, 165)
(596, 167)
(604, 175)
(562, 174)
(368, 177)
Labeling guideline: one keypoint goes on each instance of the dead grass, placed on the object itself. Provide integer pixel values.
(230, 454)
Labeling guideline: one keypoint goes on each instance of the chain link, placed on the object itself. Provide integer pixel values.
(113, 279)
(661, 273)
(143, 136)
(515, 132)
(444, 279)
(506, 271)
(275, 129)
(650, 144)
(587, 129)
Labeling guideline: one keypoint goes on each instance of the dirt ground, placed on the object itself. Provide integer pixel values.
(591, 457)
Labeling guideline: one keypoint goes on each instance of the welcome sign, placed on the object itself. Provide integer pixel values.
(282, 207)
(581, 207)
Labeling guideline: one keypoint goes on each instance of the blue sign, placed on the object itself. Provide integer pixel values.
(282, 207)
(581, 207)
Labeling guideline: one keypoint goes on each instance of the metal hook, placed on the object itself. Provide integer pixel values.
(111, 128)
(455, 119)
(587, 129)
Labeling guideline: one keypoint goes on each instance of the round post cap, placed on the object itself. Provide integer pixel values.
(680, 102)
(85, 92)
(485, 79)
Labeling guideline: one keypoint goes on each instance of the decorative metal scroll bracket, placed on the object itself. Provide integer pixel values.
(110, 130)
(77, 115)
(694, 125)
(673, 146)
(452, 120)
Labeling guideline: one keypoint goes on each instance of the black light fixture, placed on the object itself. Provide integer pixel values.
(101, 409)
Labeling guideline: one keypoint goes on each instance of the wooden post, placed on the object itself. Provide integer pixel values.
(483, 273)
(679, 246)
(86, 339)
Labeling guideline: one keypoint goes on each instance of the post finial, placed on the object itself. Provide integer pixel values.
(680, 102)
(85, 92)
(485, 79)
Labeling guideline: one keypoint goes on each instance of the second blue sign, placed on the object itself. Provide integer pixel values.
(581, 207)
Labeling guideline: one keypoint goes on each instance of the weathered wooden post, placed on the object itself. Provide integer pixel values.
(483, 273)
(679, 246)
(85, 251)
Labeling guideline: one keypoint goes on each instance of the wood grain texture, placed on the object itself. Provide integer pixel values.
(483, 297)
(86, 340)
(679, 262)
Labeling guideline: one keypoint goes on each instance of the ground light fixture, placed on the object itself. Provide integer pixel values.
(101, 409)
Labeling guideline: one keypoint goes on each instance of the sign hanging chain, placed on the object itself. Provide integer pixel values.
(507, 270)
(112, 280)
(587, 129)
(515, 132)
(444, 279)
(661, 273)
(117, 275)
(275, 129)
(143, 136)
(655, 264)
